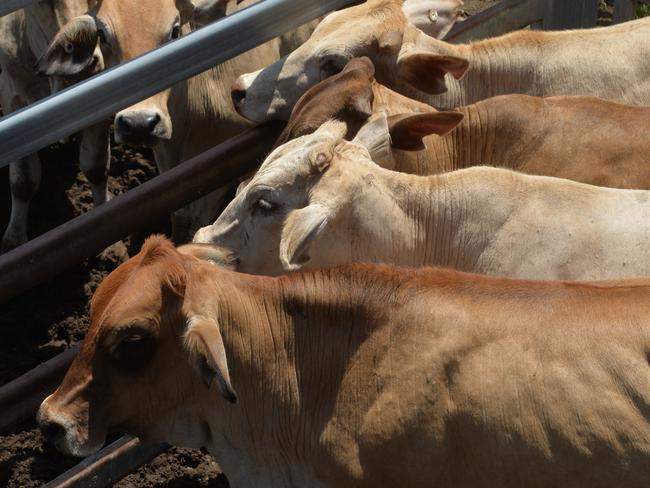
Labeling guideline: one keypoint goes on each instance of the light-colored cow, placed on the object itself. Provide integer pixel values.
(366, 376)
(610, 62)
(321, 201)
(584, 139)
(189, 117)
(24, 38)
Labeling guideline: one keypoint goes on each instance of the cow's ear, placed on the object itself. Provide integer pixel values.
(202, 12)
(374, 135)
(300, 230)
(426, 71)
(408, 130)
(208, 354)
(73, 50)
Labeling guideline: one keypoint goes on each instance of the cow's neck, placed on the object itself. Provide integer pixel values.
(286, 370)
(486, 136)
(497, 66)
(446, 220)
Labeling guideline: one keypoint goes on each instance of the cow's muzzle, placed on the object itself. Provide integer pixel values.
(141, 127)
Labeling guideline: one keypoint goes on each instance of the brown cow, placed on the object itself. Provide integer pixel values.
(584, 139)
(185, 119)
(366, 376)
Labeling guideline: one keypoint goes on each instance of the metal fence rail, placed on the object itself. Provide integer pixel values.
(51, 253)
(8, 6)
(98, 98)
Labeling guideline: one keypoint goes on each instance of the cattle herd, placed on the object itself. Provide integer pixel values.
(438, 277)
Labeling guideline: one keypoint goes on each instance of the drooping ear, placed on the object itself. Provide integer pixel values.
(426, 71)
(300, 230)
(222, 257)
(374, 135)
(408, 130)
(207, 353)
(202, 12)
(73, 50)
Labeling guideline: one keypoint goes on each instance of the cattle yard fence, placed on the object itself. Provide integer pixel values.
(96, 99)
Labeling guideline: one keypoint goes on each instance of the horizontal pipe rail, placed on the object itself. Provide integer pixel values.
(499, 19)
(108, 465)
(20, 398)
(51, 253)
(101, 96)
(8, 6)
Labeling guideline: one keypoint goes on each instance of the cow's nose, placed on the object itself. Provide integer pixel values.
(138, 125)
(52, 431)
(238, 92)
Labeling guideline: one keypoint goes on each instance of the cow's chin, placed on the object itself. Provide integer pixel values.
(75, 445)
(278, 109)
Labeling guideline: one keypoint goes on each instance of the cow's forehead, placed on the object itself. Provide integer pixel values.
(369, 17)
(297, 154)
(138, 17)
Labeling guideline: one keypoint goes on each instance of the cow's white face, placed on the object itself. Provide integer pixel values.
(374, 29)
(298, 202)
(117, 31)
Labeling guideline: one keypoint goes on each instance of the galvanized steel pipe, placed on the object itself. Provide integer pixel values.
(98, 98)
(8, 6)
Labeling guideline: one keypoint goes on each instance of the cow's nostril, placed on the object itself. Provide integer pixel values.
(152, 121)
(125, 124)
(52, 431)
(238, 95)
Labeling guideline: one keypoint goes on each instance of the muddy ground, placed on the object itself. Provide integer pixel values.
(43, 322)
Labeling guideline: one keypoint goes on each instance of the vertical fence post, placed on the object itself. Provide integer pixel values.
(570, 14)
(624, 10)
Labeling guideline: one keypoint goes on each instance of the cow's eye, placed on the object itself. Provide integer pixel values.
(133, 352)
(176, 32)
(265, 206)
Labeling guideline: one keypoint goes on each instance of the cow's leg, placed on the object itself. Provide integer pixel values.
(94, 159)
(24, 180)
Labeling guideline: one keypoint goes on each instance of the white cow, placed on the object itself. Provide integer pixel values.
(609, 62)
(321, 201)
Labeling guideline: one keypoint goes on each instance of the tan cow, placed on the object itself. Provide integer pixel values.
(610, 62)
(184, 120)
(24, 38)
(321, 201)
(584, 139)
(366, 376)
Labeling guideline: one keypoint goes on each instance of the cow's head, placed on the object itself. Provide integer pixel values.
(116, 31)
(149, 357)
(378, 29)
(378, 117)
(305, 204)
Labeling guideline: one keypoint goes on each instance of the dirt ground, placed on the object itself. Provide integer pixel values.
(43, 322)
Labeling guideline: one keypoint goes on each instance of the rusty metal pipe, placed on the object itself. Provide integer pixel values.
(46, 256)
(108, 465)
